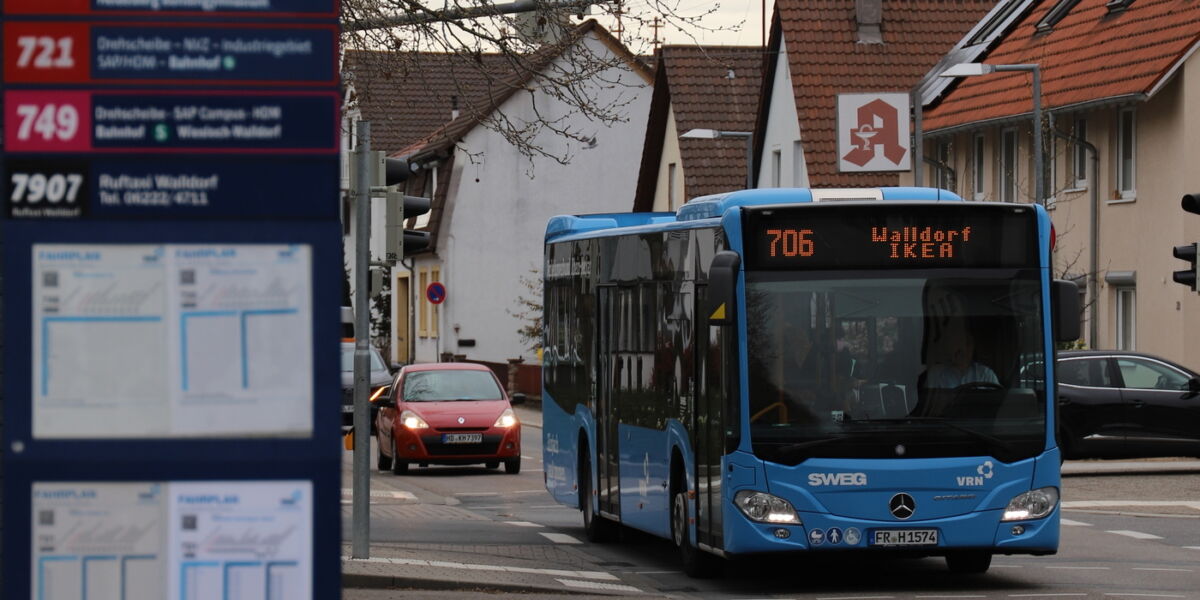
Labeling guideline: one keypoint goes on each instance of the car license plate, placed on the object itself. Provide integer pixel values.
(462, 438)
(904, 537)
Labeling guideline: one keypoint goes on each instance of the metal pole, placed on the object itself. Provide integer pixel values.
(1039, 182)
(918, 141)
(361, 515)
(750, 162)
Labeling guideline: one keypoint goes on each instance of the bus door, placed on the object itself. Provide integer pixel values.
(707, 423)
(608, 373)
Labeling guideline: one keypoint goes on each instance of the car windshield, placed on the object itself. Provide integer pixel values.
(348, 359)
(450, 385)
(895, 367)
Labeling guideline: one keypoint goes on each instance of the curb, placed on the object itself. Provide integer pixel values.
(363, 581)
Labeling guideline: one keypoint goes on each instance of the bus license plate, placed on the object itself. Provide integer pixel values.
(462, 438)
(905, 537)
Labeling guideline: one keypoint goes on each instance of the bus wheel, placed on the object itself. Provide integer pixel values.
(969, 561)
(696, 562)
(596, 528)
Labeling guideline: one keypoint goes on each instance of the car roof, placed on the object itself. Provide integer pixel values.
(1093, 353)
(446, 366)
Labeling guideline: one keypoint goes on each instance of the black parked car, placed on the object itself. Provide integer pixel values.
(380, 380)
(1116, 404)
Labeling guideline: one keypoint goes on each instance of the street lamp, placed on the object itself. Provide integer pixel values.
(714, 134)
(974, 69)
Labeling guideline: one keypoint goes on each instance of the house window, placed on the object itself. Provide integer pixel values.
(1126, 154)
(1079, 158)
(977, 150)
(944, 178)
(1008, 165)
(776, 166)
(1055, 15)
(422, 304)
(672, 199)
(1126, 318)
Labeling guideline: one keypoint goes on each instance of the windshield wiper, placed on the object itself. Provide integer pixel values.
(996, 442)
(788, 450)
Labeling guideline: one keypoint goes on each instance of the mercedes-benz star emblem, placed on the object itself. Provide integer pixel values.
(902, 506)
(461, 420)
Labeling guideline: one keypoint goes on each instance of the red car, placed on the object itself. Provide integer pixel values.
(448, 414)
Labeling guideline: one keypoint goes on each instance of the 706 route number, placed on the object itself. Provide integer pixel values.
(36, 187)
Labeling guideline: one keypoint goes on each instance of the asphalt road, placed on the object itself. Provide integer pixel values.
(1125, 535)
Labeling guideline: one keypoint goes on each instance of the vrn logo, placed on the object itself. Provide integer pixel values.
(819, 479)
(984, 472)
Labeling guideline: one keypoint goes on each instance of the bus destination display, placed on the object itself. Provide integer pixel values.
(888, 236)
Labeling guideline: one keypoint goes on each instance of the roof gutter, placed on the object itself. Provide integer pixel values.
(1069, 108)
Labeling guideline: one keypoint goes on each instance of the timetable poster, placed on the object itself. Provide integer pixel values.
(154, 341)
(236, 540)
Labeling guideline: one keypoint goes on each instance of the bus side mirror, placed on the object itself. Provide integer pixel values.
(722, 288)
(1065, 300)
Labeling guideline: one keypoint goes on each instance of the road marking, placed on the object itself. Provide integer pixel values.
(1162, 569)
(561, 538)
(1074, 523)
(476, 494)
(1128, 503)
(1192, 547)
(854, 597)
(523, 524)
(348, 495)
(592, 585)
(951, 596)
(1082, 568)
(1128, 594)
(479, 567)
(1044, 595)
(1135, 534)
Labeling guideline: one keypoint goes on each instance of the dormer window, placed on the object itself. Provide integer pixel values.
(1116, 6)
(1055, 15)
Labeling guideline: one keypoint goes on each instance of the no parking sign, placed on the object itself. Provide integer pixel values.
(435, 292)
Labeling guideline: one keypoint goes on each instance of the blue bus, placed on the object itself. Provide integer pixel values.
(808, 370)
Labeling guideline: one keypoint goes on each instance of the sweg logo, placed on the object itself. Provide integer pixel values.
(815, 479)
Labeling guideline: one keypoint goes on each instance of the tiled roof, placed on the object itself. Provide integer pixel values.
(1090, 55)
(439, 142)
(407, 95)
(710, 87)
(705, 97)
(825, 60)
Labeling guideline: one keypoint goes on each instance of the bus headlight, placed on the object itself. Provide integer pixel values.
(412, 420)
(1033, 504)
(765, 508)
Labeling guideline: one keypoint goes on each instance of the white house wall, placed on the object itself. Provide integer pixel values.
(783, 132)
(494, 222)
(670, 155)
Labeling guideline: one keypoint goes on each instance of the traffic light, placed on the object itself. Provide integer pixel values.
(386, 175)
(1190, 203)
(400, 241)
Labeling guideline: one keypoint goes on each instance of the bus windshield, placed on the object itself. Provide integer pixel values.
(895, 364)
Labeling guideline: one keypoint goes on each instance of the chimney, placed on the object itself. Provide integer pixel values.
(869, 16)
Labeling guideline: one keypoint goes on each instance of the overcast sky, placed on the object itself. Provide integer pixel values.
(726, 19)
